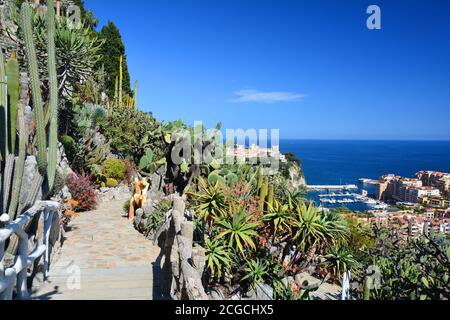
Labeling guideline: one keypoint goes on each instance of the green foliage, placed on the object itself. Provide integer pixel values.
(255, 272)
(213, 177)
(340, 261)
(111, 183)
(3, 110)
(279, 218)
(312, 228)
(415, 270)
(69, 146)
(27, 29)
(53, 96)
(146, 160)
(12, 73)
(111, 52)
(77, 54)
(114, 168)
(217, 257)
(131, 132)
(209, 201)
(158, 216)
(238, 231)
(87, 116)
(126, 206)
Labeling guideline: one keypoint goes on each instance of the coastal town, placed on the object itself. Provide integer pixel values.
(417, 206)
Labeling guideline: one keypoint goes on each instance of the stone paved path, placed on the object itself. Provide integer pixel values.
(111, 259)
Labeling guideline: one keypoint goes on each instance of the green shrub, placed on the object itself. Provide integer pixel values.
(69, 146)
(114, 168)
(126, 206)
(111, 183)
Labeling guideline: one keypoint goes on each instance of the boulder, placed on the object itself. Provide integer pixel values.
(305, 279)
(121, 192)
(29, 173)
(216, 294)
(263, 292)
(296, 178)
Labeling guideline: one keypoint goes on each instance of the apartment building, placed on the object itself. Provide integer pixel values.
(401, 189)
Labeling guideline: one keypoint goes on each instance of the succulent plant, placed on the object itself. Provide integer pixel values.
(26, 24)
(53, 96)
(12, 73)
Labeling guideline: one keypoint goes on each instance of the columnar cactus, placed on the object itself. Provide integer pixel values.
(53, 103)
(116, 92)
(367, 288)
(271, 195)
(3, 110)
(135, 93)
(26, 23)
(120, 80)
(12, 73)
(263, 193)
(20, 164)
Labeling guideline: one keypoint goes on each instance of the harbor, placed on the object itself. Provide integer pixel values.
(359, 197)
(351, 198)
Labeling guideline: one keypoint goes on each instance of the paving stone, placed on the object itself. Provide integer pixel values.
(113, 260)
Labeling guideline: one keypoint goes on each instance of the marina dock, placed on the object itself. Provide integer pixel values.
(333, 187)
(369, 181)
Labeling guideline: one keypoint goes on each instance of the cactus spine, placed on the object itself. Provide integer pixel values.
(26, 19)
(12, 73)
(53, 103)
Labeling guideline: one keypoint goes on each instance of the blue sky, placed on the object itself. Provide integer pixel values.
(309, 68)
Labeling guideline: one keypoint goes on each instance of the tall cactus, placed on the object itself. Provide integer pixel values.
(26, 20)
(12, 73)
(20, 164)
(263, 193)
(135, 93)
(53, 103)
(367, 288)
(120, 80)
(116, 92)
(3, 110)
(271, 196)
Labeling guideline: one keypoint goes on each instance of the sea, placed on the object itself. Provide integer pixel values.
(342, 162)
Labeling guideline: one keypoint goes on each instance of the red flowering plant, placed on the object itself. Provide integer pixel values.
(83, 192)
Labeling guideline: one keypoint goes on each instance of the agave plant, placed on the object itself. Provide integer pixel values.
(279, 217)
(217, 257)
(256, 272)
(238, 231)
(313, 229)
(77, 50)
(210, 199)
(340, 261)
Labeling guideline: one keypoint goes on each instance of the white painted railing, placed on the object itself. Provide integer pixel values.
(16, 276)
